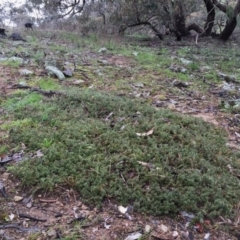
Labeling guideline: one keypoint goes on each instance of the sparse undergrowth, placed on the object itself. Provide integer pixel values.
(100, 155)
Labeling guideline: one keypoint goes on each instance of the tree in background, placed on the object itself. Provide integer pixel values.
(160, 16)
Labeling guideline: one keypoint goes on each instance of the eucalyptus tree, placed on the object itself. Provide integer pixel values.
(58, 8)
(155, 14)
(173, 14)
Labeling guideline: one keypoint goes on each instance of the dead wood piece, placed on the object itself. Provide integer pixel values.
(5, 226)
(48, 200)
(39, 90)
(21, 215)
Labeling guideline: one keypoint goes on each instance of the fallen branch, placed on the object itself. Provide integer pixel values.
(47, 200)
(21, 215)
(49, 93)
(22, 229)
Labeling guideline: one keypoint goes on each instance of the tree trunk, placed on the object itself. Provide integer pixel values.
(122, 29)
(179, 18)
(231, 24)
(220, 6)
(229, 28)
(210, 18)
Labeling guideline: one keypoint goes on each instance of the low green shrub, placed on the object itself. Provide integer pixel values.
(186, 157)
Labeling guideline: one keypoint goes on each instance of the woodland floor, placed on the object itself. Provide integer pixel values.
(54, 213)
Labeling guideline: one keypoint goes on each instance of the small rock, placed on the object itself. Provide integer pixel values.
(3, 58)
(25, 72)
(139, 84)
(18, 198)
(205, 68)
(23, 84)
(180, 84)
(122, 209)
(171, 106)
(227, 78)
(183, 70)
(29, 205)
(175, 234)
(185, 234)
(68, 72)
(147, 228)
(95, 229)
(185, 61)
(207, 236)
(84, 207)
(5, 175)
(85, 213)
(164, 228)
(52, 233)
(78, 82)
(135, 54)
(11, 216)
(55, 71)
(16, 59)
(69, 65)
(175, 68)
(98, 72)
(133, 236)
(103, 49)
(187, 215)
(105, 62)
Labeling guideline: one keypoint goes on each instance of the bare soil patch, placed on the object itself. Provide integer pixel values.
(47, 215)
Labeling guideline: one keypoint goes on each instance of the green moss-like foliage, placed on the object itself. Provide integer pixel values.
(100, 158)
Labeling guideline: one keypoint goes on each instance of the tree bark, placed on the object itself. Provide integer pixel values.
(180, 23)
(231, 24)
(210, 18)
(220, 6)
(229, 28)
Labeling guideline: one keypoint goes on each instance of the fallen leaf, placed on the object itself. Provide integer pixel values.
(147, 228)
(207, 236)
(164, 228)
(199, 227)
(39, 153)
(145, 164)
(11, 216)
(133, 236)
(145, 134)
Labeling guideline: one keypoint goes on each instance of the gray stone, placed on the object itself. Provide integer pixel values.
(68, 72)
(52, 233)
(25, 72)
(103, 49)
(185, 61)
(227, 78)
(16, 59)
(55, 71)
